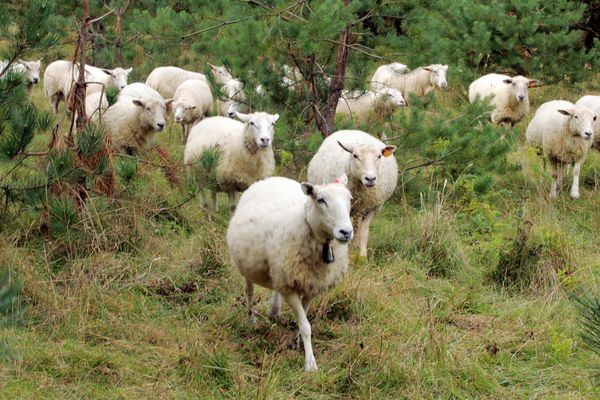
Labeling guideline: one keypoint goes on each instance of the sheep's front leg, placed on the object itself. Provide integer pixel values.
(203, 200)
(54, 100)
(250, 302)
(557, 173)
(231, 196)
(293, 300)
(575, 186)
(364, 232)
(274, 306)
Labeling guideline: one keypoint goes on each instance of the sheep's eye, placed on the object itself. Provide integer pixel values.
(355, 156)
(321, 201)
(379, 156)
(252, 123)
(595, 118)
(576, 117)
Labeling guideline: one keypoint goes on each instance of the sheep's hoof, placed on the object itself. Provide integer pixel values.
(310, 365)
(574, 196)
(273, 314)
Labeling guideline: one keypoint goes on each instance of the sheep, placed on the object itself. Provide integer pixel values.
(133, 121)
(59, 78)
(95, 105)
(166, 80)
(419, 82)
(108, 77)
(291, 238)
(372, 170)
(385, 74)
(192, 101)
(360, 103)
(222, 74)
(233, 90)
(564, 131)
(593, 103)
(510, 96)
(246, 152)
(30, 69)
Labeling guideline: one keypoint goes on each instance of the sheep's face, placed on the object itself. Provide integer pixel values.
(330, 211)
(31, 69)
(438, 75)
(260, 127)
(364, 164)
(519, 86)
(118, 76)
(581, 121)
(152, 113)
(221, 74)
(183, 113)
(231, 107)
(393, 96)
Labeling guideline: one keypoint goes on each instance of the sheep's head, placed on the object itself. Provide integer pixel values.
(364, 164)
(152, 113)
(221, 74)
(519, 86)
(393, 96)
(260, 127)
(581, 121)
(31, 70)
(183, 112)
(118, 76)
(330, 211)
(438, 75)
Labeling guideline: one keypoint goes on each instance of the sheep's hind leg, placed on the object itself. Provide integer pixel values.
(575, 186)
(250, 301)
(293, 300)
(274, 306)
(232, 204)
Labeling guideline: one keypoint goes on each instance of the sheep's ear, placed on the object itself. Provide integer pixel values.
(213, 67)
(507, 81)
(128, 70)
(274, 118)
(387, 151)
(348, 148)
(308, 189)
(242, 117)
(138, 103)
(428, 69)
(568, 113)
(192, 107)
(342, 179)
(107, 71)
(168, 102)
(533, 83)
(445, 67)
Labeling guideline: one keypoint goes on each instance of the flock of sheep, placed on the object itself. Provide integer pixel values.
(284, 235)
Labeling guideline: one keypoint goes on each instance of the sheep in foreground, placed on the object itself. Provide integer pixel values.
(291, 238)
(246, 152)
(360, 103)
(372, 170)
(564, 132)
(133, 121)
(166, 80)
(593, 103)
(233, 91)
(108, 77)
(192, 101)
(385, 74)
(419, 82)
(509, 96)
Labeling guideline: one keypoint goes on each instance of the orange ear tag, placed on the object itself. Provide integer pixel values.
(386, 152)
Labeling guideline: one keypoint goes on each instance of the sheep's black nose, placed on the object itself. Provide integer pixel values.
(264, 141)
(35, 80)
(588, 134)
(346, 233)
(160, 125)
(370, 179)
(230, 114)
(521, 98)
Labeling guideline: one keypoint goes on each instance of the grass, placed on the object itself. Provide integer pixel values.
(422, 317)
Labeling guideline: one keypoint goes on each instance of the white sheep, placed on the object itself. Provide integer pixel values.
(509, 96)
(191, 102)
(291, 238)
(95, 105)
(222, 74)
(246, 152)
(133, 121)
(108, 77)
(31, 69)
(593, 103)
(385, 74)
(233, 91)
(419, 82)
(362, 102)
(166, 80)
(564, 132)
(372, 170)
(59, 79)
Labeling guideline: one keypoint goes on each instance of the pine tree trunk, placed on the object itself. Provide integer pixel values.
(118, 38)
(79, 100)
(325, 121)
